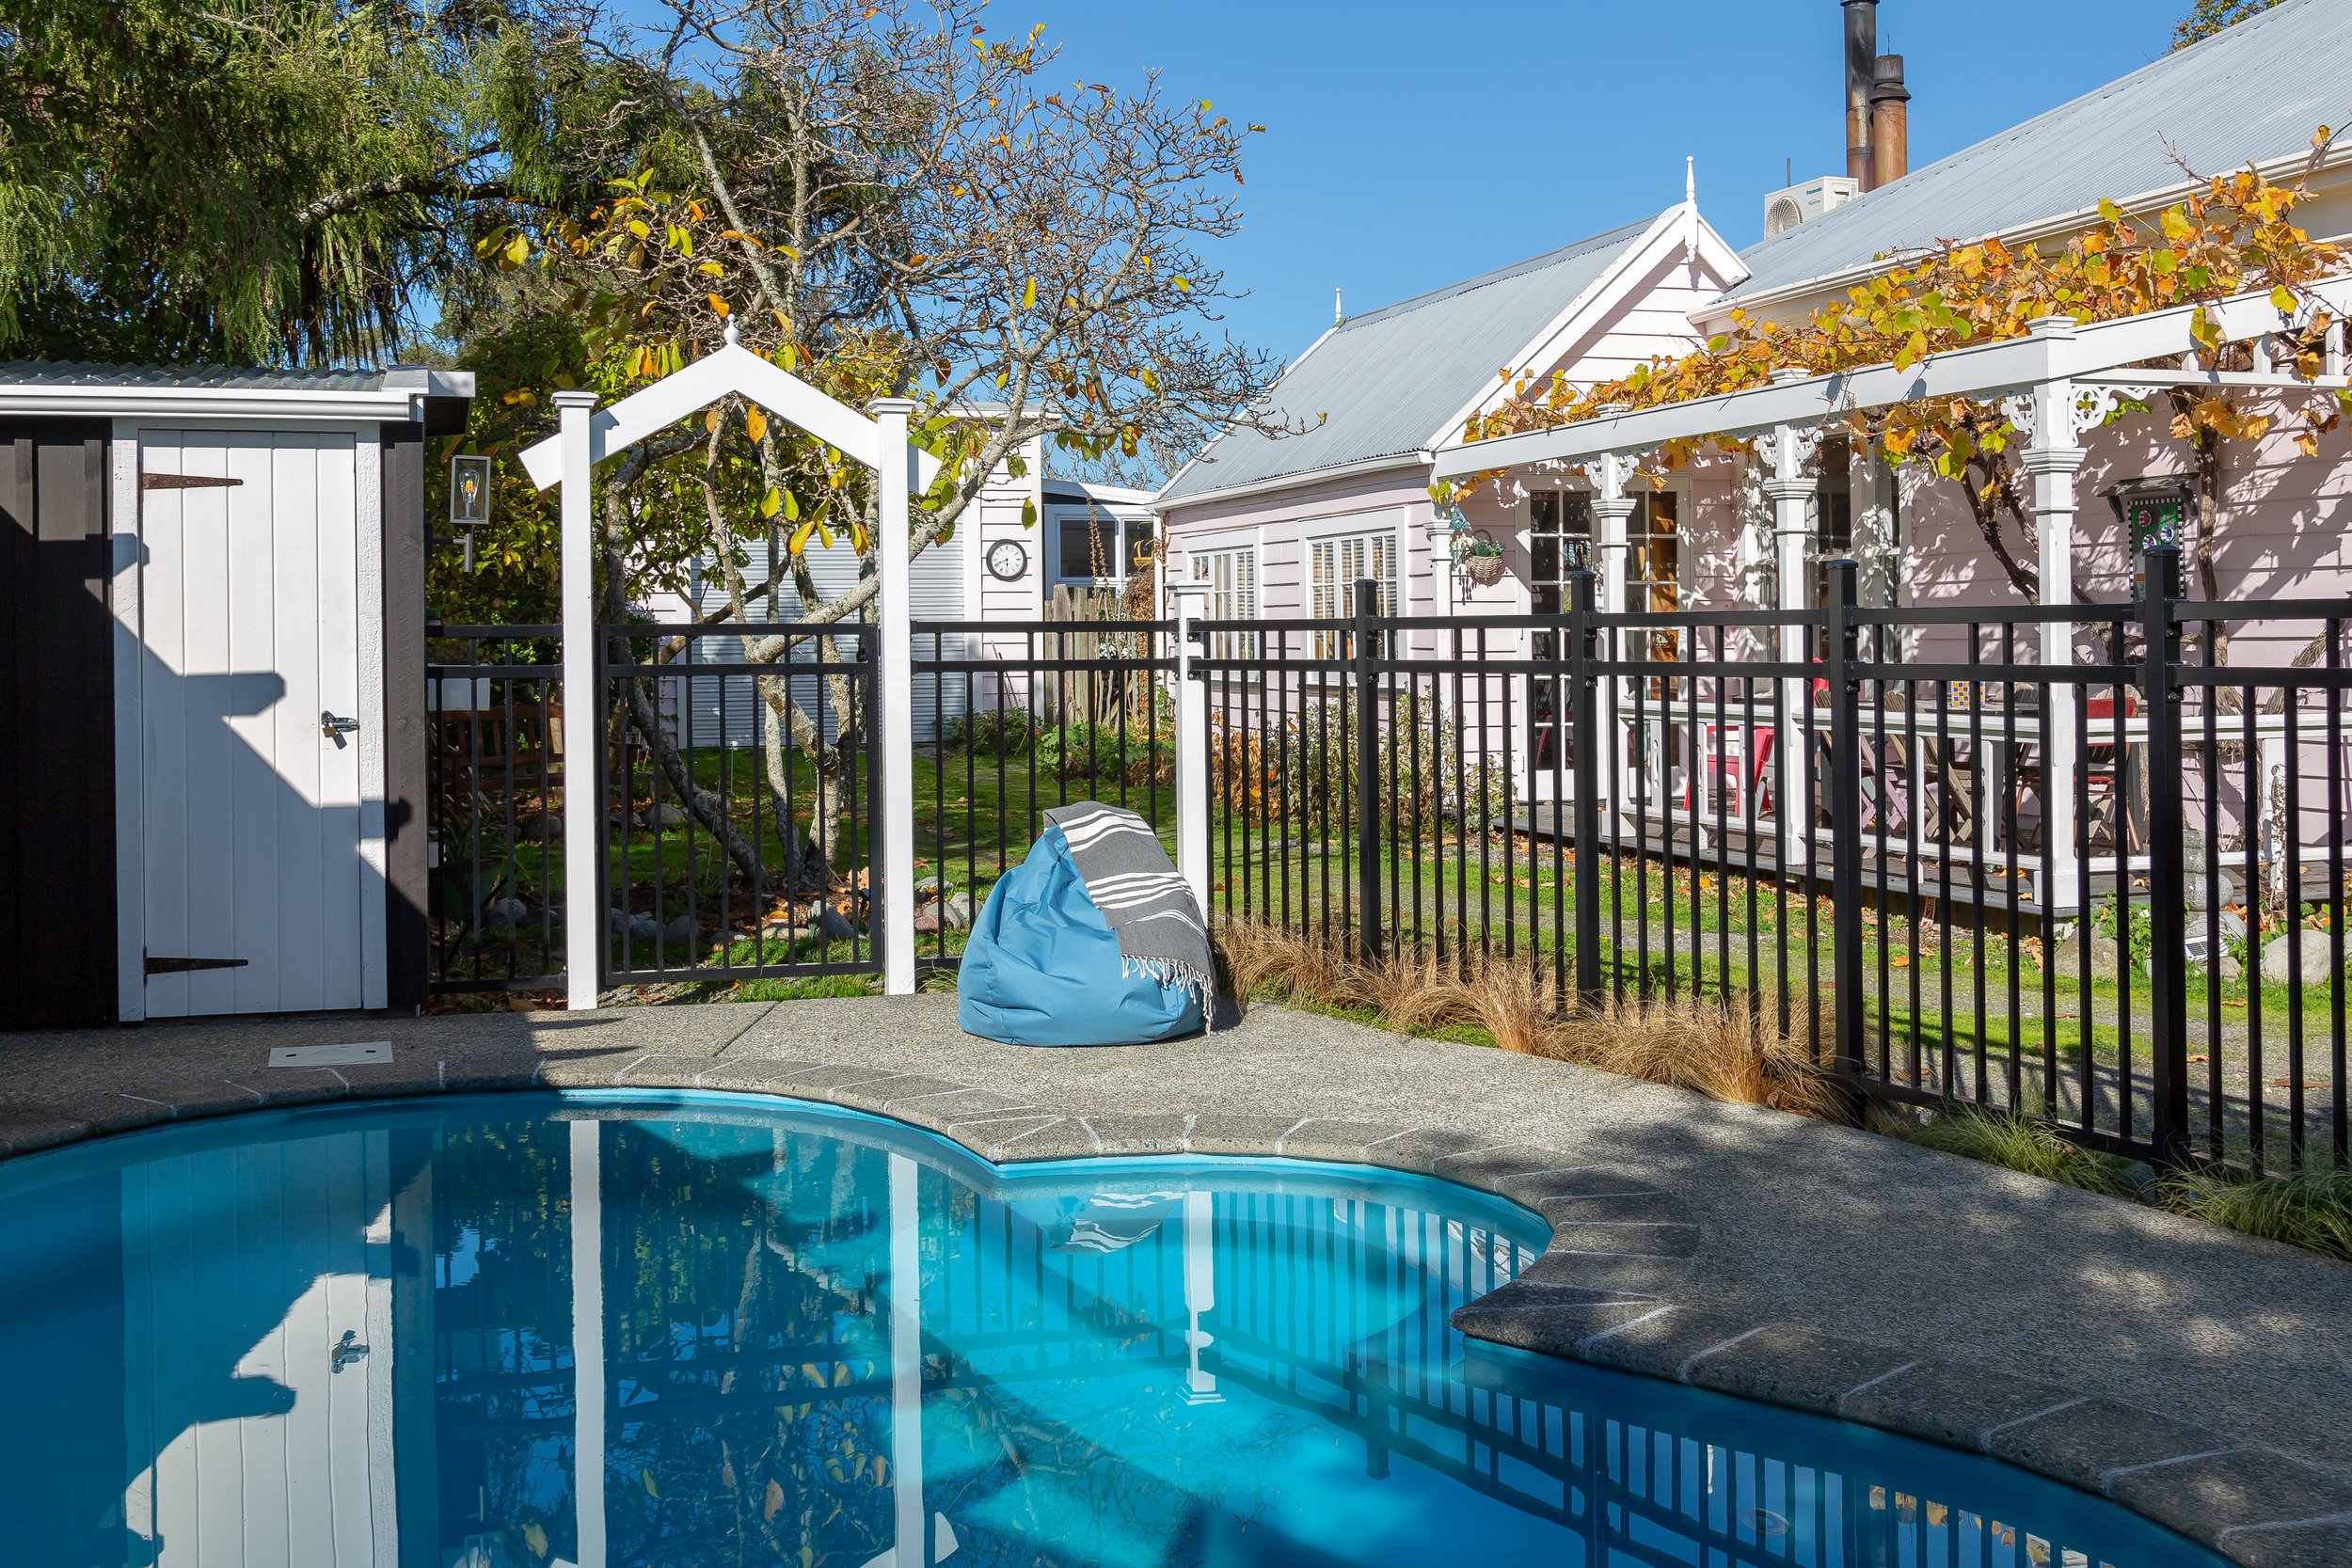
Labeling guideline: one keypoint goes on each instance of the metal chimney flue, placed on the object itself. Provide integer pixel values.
(1890, 123)
(1862, 58)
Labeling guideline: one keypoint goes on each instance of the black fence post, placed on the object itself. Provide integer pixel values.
(1582, 698)
(1839, 653)
(1369, 914)
(2168, 877)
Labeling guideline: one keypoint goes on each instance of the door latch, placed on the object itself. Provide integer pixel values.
(335, 729)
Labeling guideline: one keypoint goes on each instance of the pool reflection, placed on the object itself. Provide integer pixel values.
(505, 1334)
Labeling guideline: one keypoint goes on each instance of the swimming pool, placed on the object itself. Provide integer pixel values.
(522, 1331)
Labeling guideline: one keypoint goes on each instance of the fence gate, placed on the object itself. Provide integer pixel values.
(734, 776)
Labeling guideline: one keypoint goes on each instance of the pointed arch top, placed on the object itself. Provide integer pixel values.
(733, 370)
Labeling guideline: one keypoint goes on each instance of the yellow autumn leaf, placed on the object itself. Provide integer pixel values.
(717, 304)
(799, 541)
(771, 503)
(772, 1503)
(537, 1539)
(518, 251)
(756, 423)
(1028, 296)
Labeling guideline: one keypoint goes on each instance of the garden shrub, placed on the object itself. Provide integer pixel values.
(993, 732)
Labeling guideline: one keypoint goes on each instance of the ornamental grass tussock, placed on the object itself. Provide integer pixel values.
(1730, 1055)
(2309, 1208)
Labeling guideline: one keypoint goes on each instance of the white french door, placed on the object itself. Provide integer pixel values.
(258, 604)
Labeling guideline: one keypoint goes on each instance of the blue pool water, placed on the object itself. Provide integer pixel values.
(518, 1332)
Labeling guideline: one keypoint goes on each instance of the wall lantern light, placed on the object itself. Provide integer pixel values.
(468, 498)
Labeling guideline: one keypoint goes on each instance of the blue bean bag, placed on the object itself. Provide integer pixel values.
(1042, 967)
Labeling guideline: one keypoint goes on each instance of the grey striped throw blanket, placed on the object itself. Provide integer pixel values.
(1134, 884)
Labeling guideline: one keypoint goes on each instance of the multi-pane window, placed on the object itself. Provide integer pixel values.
(1334, 566)
(1559, 541)
(1232, 574)
(1832, 512)
(1104, 549)
(1653, 563)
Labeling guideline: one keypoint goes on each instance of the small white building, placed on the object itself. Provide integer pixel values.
(1022, 538)
(212, 665)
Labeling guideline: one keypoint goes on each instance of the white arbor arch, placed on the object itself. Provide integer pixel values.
(586, 437)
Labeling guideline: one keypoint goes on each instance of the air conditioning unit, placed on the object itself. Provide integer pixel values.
(1785, 210)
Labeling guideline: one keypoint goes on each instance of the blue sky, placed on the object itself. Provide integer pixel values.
(1410, 145)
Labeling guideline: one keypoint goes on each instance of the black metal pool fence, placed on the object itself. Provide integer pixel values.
(2084, 864)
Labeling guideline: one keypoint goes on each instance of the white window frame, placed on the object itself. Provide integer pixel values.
(1681, 489)
(1123, 545)
(1208, 555)
(1324, 539)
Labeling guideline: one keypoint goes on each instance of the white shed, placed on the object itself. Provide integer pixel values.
(212, 617)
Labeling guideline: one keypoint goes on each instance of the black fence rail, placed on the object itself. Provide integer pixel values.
(741, 787)
(2065, 863)
(1013, 719)
(495, 780)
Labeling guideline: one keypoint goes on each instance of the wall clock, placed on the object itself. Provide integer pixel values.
(1008, 560)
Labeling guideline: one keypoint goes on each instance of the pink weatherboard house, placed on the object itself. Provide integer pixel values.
(1279, 526)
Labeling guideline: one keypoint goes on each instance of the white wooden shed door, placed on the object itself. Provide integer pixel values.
(259, 622)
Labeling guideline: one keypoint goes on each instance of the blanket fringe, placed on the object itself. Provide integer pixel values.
(1174, 972)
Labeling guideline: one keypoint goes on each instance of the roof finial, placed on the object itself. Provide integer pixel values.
(731, 334)
(1690, 211)
(1338, 315)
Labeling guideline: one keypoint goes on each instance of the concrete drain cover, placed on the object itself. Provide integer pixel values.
(358, 1054)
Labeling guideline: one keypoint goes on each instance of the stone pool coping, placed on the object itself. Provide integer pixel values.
(1644, 1271)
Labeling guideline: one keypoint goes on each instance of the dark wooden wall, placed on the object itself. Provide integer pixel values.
(57, 940)
(404, 736)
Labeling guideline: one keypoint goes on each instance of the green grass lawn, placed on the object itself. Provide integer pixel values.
(976, 814)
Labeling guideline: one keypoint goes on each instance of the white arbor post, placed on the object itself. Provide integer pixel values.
(895, 701)
(588, 1384)
(1611, 509)
(1199, 1230)
(584, 913)
(906, 1365)
(2053, 458)
(1191, 599)
(1791, 492)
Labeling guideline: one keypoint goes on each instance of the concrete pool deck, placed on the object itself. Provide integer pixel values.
(2201, 1377)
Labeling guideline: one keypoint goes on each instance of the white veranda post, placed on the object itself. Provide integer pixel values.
(1791, 492)
(585, 437)
(2053, 459)
(1611, 509)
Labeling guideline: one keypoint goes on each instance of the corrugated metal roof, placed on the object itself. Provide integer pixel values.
(1382, 383)
(2256, 92)
(74, 372)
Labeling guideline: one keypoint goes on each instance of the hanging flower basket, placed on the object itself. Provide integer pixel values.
(1482, 563)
